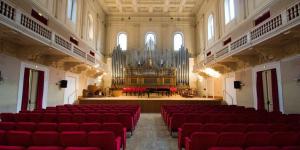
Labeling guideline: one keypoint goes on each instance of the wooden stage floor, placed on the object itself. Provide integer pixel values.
(152, 104)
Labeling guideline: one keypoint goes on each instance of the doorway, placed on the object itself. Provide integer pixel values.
(267, 91)
(33, 89)
(70, 92)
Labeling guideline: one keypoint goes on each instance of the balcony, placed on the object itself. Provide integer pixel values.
(262, 43)
(19, 28)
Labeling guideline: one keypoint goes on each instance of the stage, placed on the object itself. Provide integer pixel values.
(150, 105)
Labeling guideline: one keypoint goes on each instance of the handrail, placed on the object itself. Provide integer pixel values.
(74, 92)
(231, 97)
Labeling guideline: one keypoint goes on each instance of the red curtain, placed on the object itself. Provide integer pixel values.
(25, 95)
(40, 90)
(260, 91)
(275, 91)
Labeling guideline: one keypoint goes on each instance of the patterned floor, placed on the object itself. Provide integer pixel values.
(151, 134)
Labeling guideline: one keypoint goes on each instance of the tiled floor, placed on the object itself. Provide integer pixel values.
(151, 134)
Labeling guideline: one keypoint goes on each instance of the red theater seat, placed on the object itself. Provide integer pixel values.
(82, 148)
(231, 139)
(109, 117)
(263, 148)
(18, 138)
(226, 148)
(2, 147)
(49, 117)
(8, 117)
(104, 140)
(87, 127)
(257, 139)
(64, 117)
(68, 127)
(234, 128)
(45, 126)
(201, 141)
(45, 148)
(118, 130)
(26, 126)
(284, 139)
(77, 138)
(126, 120)
(186, 130)
(93, 117)
(291, 148)
(2, 137)
(45, 138)
(78, 117)
(7, 125)
(212, 127)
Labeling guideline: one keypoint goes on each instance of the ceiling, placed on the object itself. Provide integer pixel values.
(151, 7)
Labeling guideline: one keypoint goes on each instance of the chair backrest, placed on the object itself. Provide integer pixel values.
(103, 139)
(2, 137)
(234, 128)
(78, 117)
(18, 138)
(231, 139)
(45, 138)
(109, 117)
(257, 139)
(126, 120)
(284, 139)
(68, 127)
(49, 117)
(45, 126)
(73, 138)
(89, 126)
(64, 117)
(212, 127)
(203, 140)
(257, 127)
(116, 128)
(26, 126)
(189, 128)
(94, 117)
(7, 125)
(8, 117)
(263, 148)
(278, 127)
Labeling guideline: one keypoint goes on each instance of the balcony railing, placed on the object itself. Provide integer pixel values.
(24, 23)
(273, 26)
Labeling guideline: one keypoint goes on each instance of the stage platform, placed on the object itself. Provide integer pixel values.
(150, 105)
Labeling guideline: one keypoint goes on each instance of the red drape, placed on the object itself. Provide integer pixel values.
(275, 91)
(260, 91)
(40, 90)
(25, 95)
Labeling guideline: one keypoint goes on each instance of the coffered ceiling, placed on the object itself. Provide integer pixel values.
(151, 7)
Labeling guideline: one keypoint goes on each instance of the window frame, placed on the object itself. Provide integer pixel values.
(182, 38)
(229, 11)
(210, 27)
(72, 10)
(118, 40)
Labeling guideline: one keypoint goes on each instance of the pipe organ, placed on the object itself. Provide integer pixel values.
(150, 67)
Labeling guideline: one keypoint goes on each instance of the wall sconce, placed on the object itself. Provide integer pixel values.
(1, 78)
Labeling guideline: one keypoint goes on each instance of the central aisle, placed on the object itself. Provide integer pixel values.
(151, 134)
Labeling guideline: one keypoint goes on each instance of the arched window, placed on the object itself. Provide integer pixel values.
(229, 10)
(210, 27)
(122, 41)
(178, 41)
(72, 10)
(150, 36)
(90, 27)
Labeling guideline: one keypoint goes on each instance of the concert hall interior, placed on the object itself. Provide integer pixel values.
(149, 74)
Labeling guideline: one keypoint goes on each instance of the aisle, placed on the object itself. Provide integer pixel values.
(151, 134)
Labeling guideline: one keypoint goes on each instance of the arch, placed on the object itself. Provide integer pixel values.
(178, 41)
(150, 35)
(122, 40)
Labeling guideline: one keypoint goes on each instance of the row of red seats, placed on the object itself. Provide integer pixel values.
(189, 128)
(116, 128)
(51, 140)
(206, 140)
(257, 148)
(128, 120)
(177, 119)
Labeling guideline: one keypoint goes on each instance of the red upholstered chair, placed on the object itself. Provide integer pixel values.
(68, 127)
(118, 129)
(7, 125)
(8, 117)
(45, 126)
(263, 148)
(257, 139)
(45, 138)
(23, 117)
(49, 117)
(82, 148)
(291, 148)
(234, 128)
(109, 117)
(2, 137)
(89, 126)
(35, 117)
(201, 141)
(74, 138)
(126, 120)
(186, 130)
(94, 117)
(284, 139)
(105, 140)
(212, 127)
(78, 117)
(231, 139)
(64, 117)
(26, 126)
(278, 127)
(257, 127)
(18, 138)
(176, 121)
